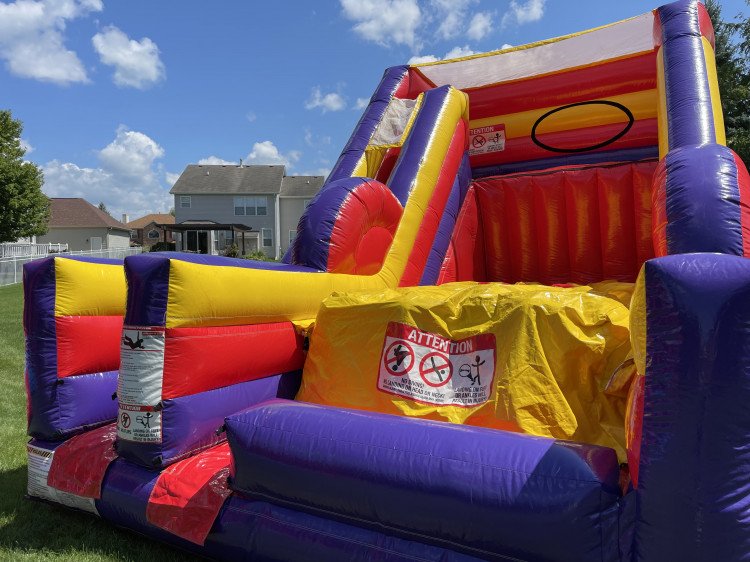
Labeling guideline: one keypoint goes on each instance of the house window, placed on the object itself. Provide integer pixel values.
(267, 240)
(133, 234)
(292, 236)
(153, 234)
(251, 206)
(185, 201)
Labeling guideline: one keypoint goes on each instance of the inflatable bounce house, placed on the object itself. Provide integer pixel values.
(514, 325)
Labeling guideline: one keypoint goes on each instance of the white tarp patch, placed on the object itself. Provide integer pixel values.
(139, 385)
(40, 461)
(431, 369)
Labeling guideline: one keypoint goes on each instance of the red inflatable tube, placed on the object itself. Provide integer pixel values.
(201, 359)
(87, 344)
(520, 149)
(633, 74)
(431, 221)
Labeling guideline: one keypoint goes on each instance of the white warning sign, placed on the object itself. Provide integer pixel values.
(39, 462)
(431, 369)
(483, 140)
(139, 385)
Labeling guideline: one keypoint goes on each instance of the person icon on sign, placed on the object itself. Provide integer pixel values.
(400, 354)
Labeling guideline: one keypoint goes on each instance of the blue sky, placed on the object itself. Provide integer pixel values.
(118, 97)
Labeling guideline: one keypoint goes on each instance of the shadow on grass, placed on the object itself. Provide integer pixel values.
(30, 526)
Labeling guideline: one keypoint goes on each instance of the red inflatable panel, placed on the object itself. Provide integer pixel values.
(465, 258)
(643, 175)
(582, 210)
(87, 344)
(189, 494)
(201, 359)
(549, 203)
(423, 243)
(578, 224)
(521, 224)
(521, 149)
(743, 183)
(364, 230)
(79, 464)
(634, 425)
(386, 166)
(494, 233)
(659, 209)
(617, 218)
(601, 81)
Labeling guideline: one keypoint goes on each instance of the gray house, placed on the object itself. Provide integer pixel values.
(255, 207)
(82, 226)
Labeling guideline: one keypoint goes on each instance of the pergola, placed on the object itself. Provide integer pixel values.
(235, 228)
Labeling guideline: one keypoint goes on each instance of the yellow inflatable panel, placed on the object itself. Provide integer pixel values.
(527, 358)
(89, 289)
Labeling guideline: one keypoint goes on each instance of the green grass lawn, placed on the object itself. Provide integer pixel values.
(32, 530)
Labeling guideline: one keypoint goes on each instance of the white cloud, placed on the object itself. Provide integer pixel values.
(317, 172)
(421, 59)
(266, 152)
(131, 155)
(480, 26)
(453, 14)
(327, 102)
(250, 116)
(524, 12)
(26, 146)
(32, 39)
(315, 140)
(385, 21)
(454, 53)
(457, 52)
(361, 103)
(136, 63)
(506, 46)
(171, 178)
(215, 160)
(127, 179)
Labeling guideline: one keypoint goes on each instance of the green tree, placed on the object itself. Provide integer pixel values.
(24, 209)
(103, 208)
(733, 70)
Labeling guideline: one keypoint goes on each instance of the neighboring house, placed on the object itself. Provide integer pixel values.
(82, 226)
(215, 205)
(151, 229)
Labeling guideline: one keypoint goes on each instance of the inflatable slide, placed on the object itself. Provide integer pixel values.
(512, 326)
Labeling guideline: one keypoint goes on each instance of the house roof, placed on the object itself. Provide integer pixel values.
(230, 179)
(158, 218)
(77, 212)
(301, 186)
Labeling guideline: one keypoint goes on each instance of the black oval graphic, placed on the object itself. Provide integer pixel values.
(619, 135)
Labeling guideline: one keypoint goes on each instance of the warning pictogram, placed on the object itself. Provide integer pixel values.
(435, 369)
(420, 366)
(487, 139)
(125, 420)
(399, 358)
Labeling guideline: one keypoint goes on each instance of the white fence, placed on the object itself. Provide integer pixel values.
(11, 269)
(21, 250)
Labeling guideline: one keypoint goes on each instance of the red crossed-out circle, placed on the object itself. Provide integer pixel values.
(393, 365)
(435, 365)
(478, 141)
(125, 420)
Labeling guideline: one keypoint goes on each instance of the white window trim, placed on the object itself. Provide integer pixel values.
(185, 199)
(263, 237)
(244, 203)
(292, 236)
